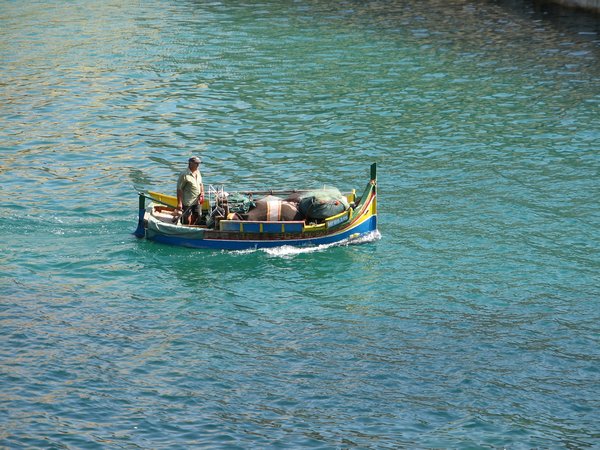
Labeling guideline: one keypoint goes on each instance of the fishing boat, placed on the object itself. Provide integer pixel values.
(232, 221)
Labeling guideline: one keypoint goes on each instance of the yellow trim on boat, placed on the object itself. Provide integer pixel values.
(168, 199)
(172, 200)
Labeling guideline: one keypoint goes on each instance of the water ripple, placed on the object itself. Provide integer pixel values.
(470, 320)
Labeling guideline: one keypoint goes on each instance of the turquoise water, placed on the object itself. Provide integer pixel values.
(471, 323)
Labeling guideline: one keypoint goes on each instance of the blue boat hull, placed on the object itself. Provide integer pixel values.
(364, 228)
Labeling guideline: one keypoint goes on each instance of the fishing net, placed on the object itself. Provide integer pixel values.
(239, 203)
(322, 203)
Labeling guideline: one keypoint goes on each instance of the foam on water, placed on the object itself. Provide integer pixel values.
(288, 251)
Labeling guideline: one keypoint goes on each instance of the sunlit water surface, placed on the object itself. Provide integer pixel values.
(471, 321)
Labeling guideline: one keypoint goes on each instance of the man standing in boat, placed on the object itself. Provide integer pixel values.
(190, 192)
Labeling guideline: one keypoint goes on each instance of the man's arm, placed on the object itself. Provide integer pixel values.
(179, 199)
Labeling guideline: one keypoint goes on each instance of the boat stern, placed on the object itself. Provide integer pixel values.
(140, 231)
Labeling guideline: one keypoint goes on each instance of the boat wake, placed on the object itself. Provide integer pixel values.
(287, 251)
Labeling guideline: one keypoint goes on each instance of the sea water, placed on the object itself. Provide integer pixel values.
(469, 321)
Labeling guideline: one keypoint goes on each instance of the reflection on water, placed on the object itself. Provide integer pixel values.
(468, 322)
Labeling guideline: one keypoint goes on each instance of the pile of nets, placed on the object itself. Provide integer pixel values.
(319, 204)
(315, 205)
(239, 203)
